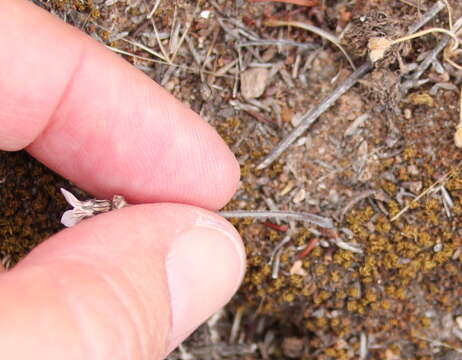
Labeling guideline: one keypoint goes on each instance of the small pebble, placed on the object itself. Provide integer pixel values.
(459, 322)
(253, 82)
(458, 137)
(438, 247)
(205, 14)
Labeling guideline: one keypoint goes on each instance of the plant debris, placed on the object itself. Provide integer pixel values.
(374, 286)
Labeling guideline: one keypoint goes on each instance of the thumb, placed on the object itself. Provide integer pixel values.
(129, 284)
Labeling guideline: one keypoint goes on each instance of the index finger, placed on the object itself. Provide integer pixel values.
(98, 121)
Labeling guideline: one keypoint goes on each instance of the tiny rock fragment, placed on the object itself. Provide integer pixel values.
(253, 82)
(292, 347)
(421, 98)
(299, 196)
(269, 54)
(459, 322)
(415, 187)
(297, 268)
(358, 122)
(413, 170)
(296, 119)
(390, 355)
(458, 137)
(378, 46)
(438, 247)
(287, 114)
(407, 113)
(205, 14)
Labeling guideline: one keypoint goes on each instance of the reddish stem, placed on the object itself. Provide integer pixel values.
(311, 245)
(281, 228)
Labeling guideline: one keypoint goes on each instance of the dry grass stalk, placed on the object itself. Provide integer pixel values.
(439, 343)
(378, 46)
(311, 116)
(446, 2)
(324, 34)
(441, 180)
(182, 67)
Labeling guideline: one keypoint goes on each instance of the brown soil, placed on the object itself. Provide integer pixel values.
(400, 297)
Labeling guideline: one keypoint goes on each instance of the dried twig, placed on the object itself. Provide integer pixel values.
(425, 18)
(182, 67)
(454, 29)
(236, 324)
(310, 117)
(446, 199)
(426, 191)
(276, 256)
(154, 9)
(439, 343)
(349, 246)
(363, 346)
(355, 200)
(423, 66)
(148, 50)
(308, 248)
(153, 23)
(301, 216)
(185, 32)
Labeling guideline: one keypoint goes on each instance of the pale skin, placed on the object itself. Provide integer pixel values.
(132, 283)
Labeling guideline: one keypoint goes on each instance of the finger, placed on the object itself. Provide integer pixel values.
(98, 121)
(130, 284)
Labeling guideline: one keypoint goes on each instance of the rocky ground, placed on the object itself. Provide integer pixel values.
(381, 164)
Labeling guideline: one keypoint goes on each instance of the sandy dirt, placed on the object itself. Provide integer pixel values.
(386, 281)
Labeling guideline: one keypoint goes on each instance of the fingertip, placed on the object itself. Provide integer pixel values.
(141, 277)
(95, 119)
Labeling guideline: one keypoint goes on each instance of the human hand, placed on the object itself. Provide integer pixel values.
(132, 283)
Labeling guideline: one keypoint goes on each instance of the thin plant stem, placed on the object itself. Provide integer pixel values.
(311, 116)
(446, 2)
(302, 216)
(426, 191)
(425, 18)
(183, 67)
(324, 34)
(429, 31)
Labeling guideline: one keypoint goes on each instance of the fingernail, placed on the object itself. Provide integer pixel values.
(205, 266)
